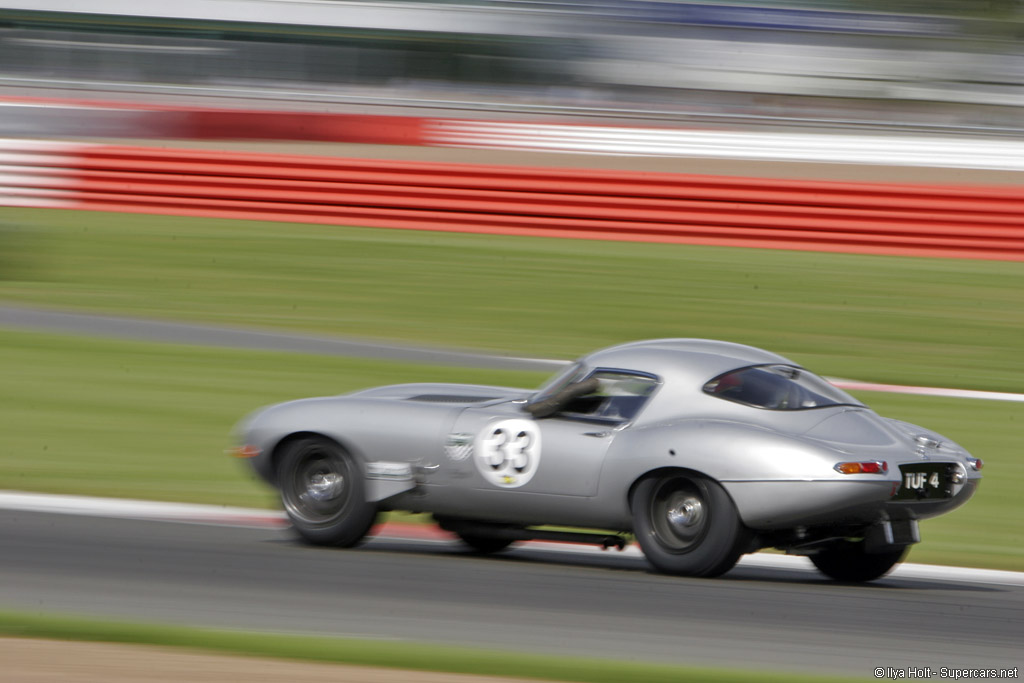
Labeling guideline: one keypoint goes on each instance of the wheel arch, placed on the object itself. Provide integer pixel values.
(662, 471)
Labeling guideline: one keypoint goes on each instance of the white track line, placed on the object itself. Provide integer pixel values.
(944, 151)
(218, 515)
(926, 391)
(854, 385)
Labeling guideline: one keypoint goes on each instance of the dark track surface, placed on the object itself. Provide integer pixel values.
(606, 605)
(169, 332)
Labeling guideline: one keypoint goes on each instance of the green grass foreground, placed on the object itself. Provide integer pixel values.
(388, 654)
(140, 420)
(938, 322)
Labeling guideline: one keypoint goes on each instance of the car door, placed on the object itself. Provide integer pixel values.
(511, 451)
(503, 448)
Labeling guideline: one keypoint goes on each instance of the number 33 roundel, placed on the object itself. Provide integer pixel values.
(508, 452)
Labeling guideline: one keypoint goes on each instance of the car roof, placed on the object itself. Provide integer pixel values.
(684, 366)
(682, 359)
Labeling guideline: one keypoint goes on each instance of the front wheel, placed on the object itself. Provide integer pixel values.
(687, 525)
(323, 492)
(847, 561)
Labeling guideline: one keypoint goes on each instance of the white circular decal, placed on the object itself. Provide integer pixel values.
(507, 453)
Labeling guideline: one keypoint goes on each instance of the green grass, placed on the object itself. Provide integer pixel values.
(389, 654)
(127, 419)
(943, 322)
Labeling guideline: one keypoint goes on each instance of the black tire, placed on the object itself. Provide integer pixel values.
(324, 493)
(847, 561)
(485, 545)
(687, 525)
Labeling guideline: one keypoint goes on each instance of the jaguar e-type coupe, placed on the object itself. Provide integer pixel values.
(704, 450)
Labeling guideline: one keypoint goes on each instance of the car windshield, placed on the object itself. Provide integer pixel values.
(619, 395)
(606, 394)
(778, 387)
(573, 373)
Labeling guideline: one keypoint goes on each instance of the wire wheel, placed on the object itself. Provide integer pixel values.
(687, 524)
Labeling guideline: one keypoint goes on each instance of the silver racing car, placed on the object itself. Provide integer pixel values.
(704, 450)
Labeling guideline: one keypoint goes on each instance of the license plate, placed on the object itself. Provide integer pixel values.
(926, 481)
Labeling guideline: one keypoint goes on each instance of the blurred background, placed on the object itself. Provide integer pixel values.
(909, 64)
(94, 410)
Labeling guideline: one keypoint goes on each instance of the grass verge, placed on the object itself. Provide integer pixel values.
(389, 654)
(940, 322)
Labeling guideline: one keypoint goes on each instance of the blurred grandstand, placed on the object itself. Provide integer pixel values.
(959, 67)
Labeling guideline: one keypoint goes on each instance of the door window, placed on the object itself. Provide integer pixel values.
(619, 397)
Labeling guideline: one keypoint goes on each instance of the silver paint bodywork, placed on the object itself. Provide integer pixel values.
(425, 448)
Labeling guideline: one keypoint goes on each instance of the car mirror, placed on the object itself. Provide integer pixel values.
(552, 404)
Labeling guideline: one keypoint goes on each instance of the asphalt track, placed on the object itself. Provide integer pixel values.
(140, 329)
(529, 599)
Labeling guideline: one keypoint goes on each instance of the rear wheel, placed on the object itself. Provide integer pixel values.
(687, 525)
(847, 561)
(323, 492)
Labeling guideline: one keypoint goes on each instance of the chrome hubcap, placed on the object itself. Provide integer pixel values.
(317, 491)
(684, 511)
(679, 515)
(324, 486)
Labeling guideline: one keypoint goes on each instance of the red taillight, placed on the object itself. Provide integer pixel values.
(869, 467)
(246, 451)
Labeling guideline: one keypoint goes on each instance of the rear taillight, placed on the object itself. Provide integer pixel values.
(868, 467)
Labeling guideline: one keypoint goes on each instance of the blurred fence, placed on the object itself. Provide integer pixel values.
(54, 118)
(617, 57)
(949, 221)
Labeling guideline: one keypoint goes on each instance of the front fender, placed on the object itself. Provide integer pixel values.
(387, 438)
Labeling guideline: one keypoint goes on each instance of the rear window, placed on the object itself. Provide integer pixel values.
(778, 387)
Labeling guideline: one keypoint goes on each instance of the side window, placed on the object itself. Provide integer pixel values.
(619, 396)
(777, 387)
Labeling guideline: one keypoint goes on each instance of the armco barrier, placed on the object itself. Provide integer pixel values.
(952, 221)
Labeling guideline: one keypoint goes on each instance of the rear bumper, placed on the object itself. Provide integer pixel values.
(777, 505)
(923, 509)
